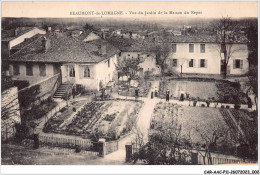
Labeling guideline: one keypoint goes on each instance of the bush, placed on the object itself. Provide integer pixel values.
(21, 84)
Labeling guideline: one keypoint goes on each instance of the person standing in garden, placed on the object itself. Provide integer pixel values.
(167, 95)
(152, 94)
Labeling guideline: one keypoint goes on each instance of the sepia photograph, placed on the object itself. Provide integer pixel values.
(130, 83)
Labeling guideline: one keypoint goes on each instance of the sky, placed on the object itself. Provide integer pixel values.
(204, 9)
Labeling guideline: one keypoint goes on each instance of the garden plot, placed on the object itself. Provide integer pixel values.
(108, 119)
(189, 118)
(203, 90)
(213, 90)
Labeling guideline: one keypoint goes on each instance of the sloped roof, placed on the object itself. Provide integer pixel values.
(65, 48)
(195, 38)
(27, 41)
(20, 31)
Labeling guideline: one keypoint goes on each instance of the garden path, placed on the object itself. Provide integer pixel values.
(143, 123)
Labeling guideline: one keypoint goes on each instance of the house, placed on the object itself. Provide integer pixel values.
(131, 48)
(148, 60)
(117, 32)
(86, 60)
(21, 34)
(200, 54)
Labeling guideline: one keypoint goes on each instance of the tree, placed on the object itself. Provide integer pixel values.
(213, 136)
(227, 31)
(252, 35)
(166, 146)
(129, 67)
(162, 52)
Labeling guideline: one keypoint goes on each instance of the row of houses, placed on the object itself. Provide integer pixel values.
(86, 58)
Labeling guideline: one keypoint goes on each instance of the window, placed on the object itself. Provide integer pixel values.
(108, 62)
(129, 55)
(86, 71)
(42, 70)
(202, 63)
(148, 55)
(174, 62)
(238, 64)
(72, 71)
(29, 69)
(174, 48)
(119, 54)
(191, 48)
(191, 62)
(202, 48)
(16, 69)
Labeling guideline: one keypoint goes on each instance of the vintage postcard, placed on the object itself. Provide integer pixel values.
(130, 83)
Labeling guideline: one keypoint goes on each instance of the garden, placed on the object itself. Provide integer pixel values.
(97, 119)
(196, 126)
(203, 90)
(142, 86)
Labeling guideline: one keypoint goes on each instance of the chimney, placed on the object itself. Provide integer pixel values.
(102, 50)
(15, 32)
(46, 44)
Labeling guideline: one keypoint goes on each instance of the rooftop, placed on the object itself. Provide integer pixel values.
(20, 31)
(65, 48)
(196, 38)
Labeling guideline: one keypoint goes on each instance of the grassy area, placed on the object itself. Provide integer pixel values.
(23, 156)
(204, 89)
(197, 124)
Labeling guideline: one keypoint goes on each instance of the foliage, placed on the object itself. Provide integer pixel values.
(162, 52)
(22, 132)
(6, 82)
(38, 111)
(166, 146)
(129, 67)
(229, 92)
(215, 137)
(27, 97)
(21, 84)
(252, 36)
(227, 31)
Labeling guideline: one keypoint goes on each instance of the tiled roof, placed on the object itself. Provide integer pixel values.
(65, 48)
(27, 41)
(131, 45)
(195, 38)
(20, 31)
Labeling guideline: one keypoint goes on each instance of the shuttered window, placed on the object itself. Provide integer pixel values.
(42, 69)
(174, 63)
(191, 63)
(237, 64)
(16, 69)
(203, 63)
(191, 48)
(202, 48)
(84, 72)
(174, 49)
(72, 71)
(29, 69)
